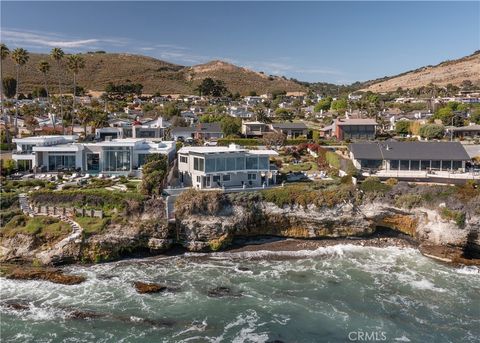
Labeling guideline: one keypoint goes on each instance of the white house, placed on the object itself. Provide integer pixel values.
(60, 153)
(232, 166)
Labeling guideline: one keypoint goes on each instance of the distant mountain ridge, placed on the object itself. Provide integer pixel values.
(155, 75)
(448, 72)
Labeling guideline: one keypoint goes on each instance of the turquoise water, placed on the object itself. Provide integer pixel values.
(333, 294)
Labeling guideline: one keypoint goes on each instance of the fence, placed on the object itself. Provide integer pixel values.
(67, 211)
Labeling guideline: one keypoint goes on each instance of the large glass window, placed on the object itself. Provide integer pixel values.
(142, 158)
(264, 162)
(61, 162)
(393, 164)
(457, 165)
(425, 165)
(93, 162)
(183, 159)
(404, 165)
(436, 165)
(252, 162)
(230, 163)
(221, 164)
(117, 159)
(240, 163)
(209, 165)
(414, 165)
(198, 164)
(446, 165)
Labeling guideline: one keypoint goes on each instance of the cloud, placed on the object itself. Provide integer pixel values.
(46, 40)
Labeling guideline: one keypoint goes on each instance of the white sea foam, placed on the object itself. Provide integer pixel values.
(424, 284)
(402, 339)
(468, 270)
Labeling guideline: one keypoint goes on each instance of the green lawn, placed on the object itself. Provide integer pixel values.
(42, 226)
(92, 225)
(303, 166)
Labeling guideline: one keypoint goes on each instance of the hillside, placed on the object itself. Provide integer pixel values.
(155, 75)
(454, 72)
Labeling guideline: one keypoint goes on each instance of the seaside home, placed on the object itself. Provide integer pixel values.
(232, 166)
(114, 157)
(353, 129)
(291, 130)
(254, 129)
(409, 156)
(153, 129)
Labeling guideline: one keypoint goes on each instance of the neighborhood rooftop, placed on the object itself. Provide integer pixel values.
(392, 150)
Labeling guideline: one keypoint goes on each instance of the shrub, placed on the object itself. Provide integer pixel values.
(8, 200)
(373, 184)
(391, 182)
(457, 216)
(201, 202)
(408, 201)
(333, 159)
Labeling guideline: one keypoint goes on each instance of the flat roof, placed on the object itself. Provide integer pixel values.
(392, 150)
(224, 149)
(289, 125)
(357, 121)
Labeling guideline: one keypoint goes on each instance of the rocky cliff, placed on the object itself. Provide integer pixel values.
(210, 221)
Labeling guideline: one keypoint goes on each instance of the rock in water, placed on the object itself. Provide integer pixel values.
(219, 292)
(46, 274)
(143, 287)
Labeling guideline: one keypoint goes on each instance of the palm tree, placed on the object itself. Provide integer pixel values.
(57, 54)
(20, 58)
(4, 51)
(44, 68)
(74, 64)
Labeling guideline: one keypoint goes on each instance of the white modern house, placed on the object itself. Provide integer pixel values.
(113, 157)
(232, 166)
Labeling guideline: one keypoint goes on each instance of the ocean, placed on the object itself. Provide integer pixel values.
(342, 293)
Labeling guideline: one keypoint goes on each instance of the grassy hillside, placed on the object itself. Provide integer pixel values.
(454, 72)
(155, 75)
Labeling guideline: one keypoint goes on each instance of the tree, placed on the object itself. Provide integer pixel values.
(85, 115)
(284, 114)
(39, 92)
(323, 105)
(44, 68)
(475, 116)
(231, 126)
(154, 172)
(75, 63)
(20, 57)
(170, 110)
(210, 87)
(4, 52)
(177, 121)
(9, 87)
(432, 131)
(31, 123)
(276, 139)
(402, 127)
(57, 55)
(339, 105)
(261, 114)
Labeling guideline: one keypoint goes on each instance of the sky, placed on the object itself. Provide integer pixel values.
(338, 42)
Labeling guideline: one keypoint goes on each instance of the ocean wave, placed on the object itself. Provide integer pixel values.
(468, 270)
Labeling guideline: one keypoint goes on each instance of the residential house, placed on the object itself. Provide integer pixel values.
(353, 129)
(208, 131)
(291, 130)
(409, 156)
(465, 132)
(232, 166)
(254, 129)
(115, 157)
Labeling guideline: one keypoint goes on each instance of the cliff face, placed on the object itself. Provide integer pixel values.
(200, 232)
(215, 226)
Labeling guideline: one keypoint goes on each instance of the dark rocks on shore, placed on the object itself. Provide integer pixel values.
(46, 274)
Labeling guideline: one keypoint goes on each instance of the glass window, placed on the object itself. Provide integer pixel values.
(252, 162)
(198, 164)
(264, 162)
(230, 163)
(394, 165)
(240, 163)
(60, 162)
(226, 177)
(183, 159)
(446, 165)
(252, 176)
(220, 164)
(435, 164)
(425, 165)
(93, 162)
(404, 165)
(457, 164)
(216, 178)
(414, 165)
(209, 165)
(117, 159)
